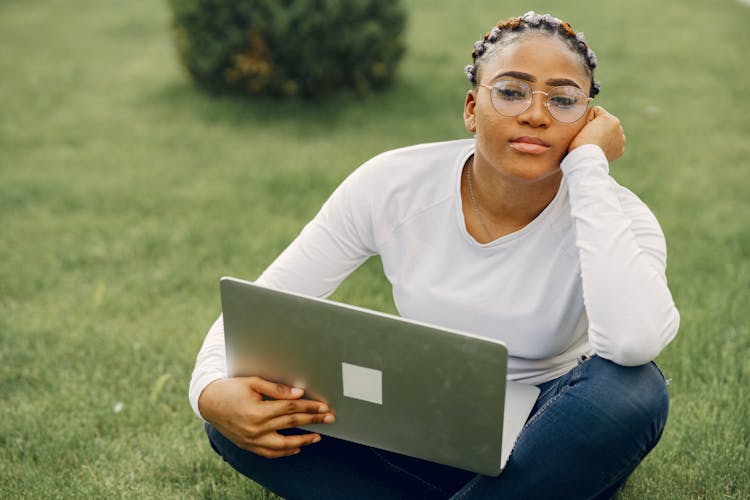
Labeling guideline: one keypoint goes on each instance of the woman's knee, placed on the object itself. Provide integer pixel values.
(637, 393)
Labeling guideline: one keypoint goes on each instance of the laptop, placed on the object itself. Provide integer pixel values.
(395, 384)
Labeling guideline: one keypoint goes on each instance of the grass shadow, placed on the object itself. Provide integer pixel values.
(181, 99)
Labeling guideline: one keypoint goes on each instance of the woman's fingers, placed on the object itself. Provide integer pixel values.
(291, 420)
(236, 407)
(275, 445)
(284, 413)
(268, 453)
(288, 406)
(603, 129)
(279, 442)
(273, 389)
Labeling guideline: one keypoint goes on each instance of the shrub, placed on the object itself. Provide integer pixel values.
(289, 47)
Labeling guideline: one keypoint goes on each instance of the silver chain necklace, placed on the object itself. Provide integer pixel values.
(474, 201)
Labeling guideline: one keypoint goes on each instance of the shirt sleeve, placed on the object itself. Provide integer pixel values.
(329, 248)
(210, 365)
(622, 251)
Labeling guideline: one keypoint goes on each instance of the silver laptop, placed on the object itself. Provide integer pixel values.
(394, 384)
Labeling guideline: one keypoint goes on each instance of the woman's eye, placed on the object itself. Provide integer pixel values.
(510, 94)
(562, 101)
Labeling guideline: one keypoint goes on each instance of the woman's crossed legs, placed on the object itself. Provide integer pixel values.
(588, 431)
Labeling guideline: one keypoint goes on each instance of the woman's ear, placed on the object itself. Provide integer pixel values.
(469, 111)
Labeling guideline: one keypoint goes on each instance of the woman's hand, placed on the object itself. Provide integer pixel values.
(604, 130)
(235, 407)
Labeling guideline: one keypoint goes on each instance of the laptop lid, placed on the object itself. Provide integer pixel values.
(395, 384)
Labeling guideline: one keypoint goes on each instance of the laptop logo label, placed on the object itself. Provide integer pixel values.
(362, 383)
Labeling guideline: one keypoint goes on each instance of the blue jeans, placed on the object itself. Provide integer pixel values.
(588, 431)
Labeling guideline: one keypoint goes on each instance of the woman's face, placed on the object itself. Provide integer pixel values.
(531, 145)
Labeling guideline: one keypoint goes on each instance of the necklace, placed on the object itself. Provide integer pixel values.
(474, 201)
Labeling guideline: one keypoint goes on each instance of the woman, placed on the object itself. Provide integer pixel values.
(518, 230)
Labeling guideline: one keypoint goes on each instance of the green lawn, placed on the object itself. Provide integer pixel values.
(125, 194)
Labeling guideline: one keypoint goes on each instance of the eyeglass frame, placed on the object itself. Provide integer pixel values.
(531, 100)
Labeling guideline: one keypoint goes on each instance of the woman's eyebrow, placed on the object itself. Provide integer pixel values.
(552, 82)
(557, 82)
(516, 74)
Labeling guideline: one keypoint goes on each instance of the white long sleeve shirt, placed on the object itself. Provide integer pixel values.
(585, 276)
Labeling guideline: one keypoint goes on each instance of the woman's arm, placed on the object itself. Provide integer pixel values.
(327, 250)
(630, 309)
(210, 365)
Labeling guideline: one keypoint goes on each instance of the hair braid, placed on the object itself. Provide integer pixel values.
(510, 29)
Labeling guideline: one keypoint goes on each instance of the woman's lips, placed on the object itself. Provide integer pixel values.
(529, 145)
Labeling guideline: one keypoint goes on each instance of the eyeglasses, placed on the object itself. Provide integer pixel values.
(512, 97)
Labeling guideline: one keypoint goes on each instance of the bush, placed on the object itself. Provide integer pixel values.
(289, 47)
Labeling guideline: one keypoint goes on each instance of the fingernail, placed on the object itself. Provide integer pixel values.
(316, 439)
(323, 409)
(297, 392)
(329, 419)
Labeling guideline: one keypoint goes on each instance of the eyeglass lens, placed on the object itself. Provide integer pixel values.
(512, 97)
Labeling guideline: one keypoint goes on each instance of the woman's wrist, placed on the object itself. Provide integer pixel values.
(202, 405)
(583, 157)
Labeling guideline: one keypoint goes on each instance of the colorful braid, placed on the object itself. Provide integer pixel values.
(505, 31)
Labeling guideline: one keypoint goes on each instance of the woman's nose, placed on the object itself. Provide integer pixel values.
(536, 114)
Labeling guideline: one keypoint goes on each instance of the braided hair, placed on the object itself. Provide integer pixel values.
(508, 31)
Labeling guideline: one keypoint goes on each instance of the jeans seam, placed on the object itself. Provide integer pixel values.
(539, 413)
(549, 389)
(661, 372)
(574, 378)
(464, 492)
(406, 472)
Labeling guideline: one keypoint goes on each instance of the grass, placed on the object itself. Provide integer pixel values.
(125, 194)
